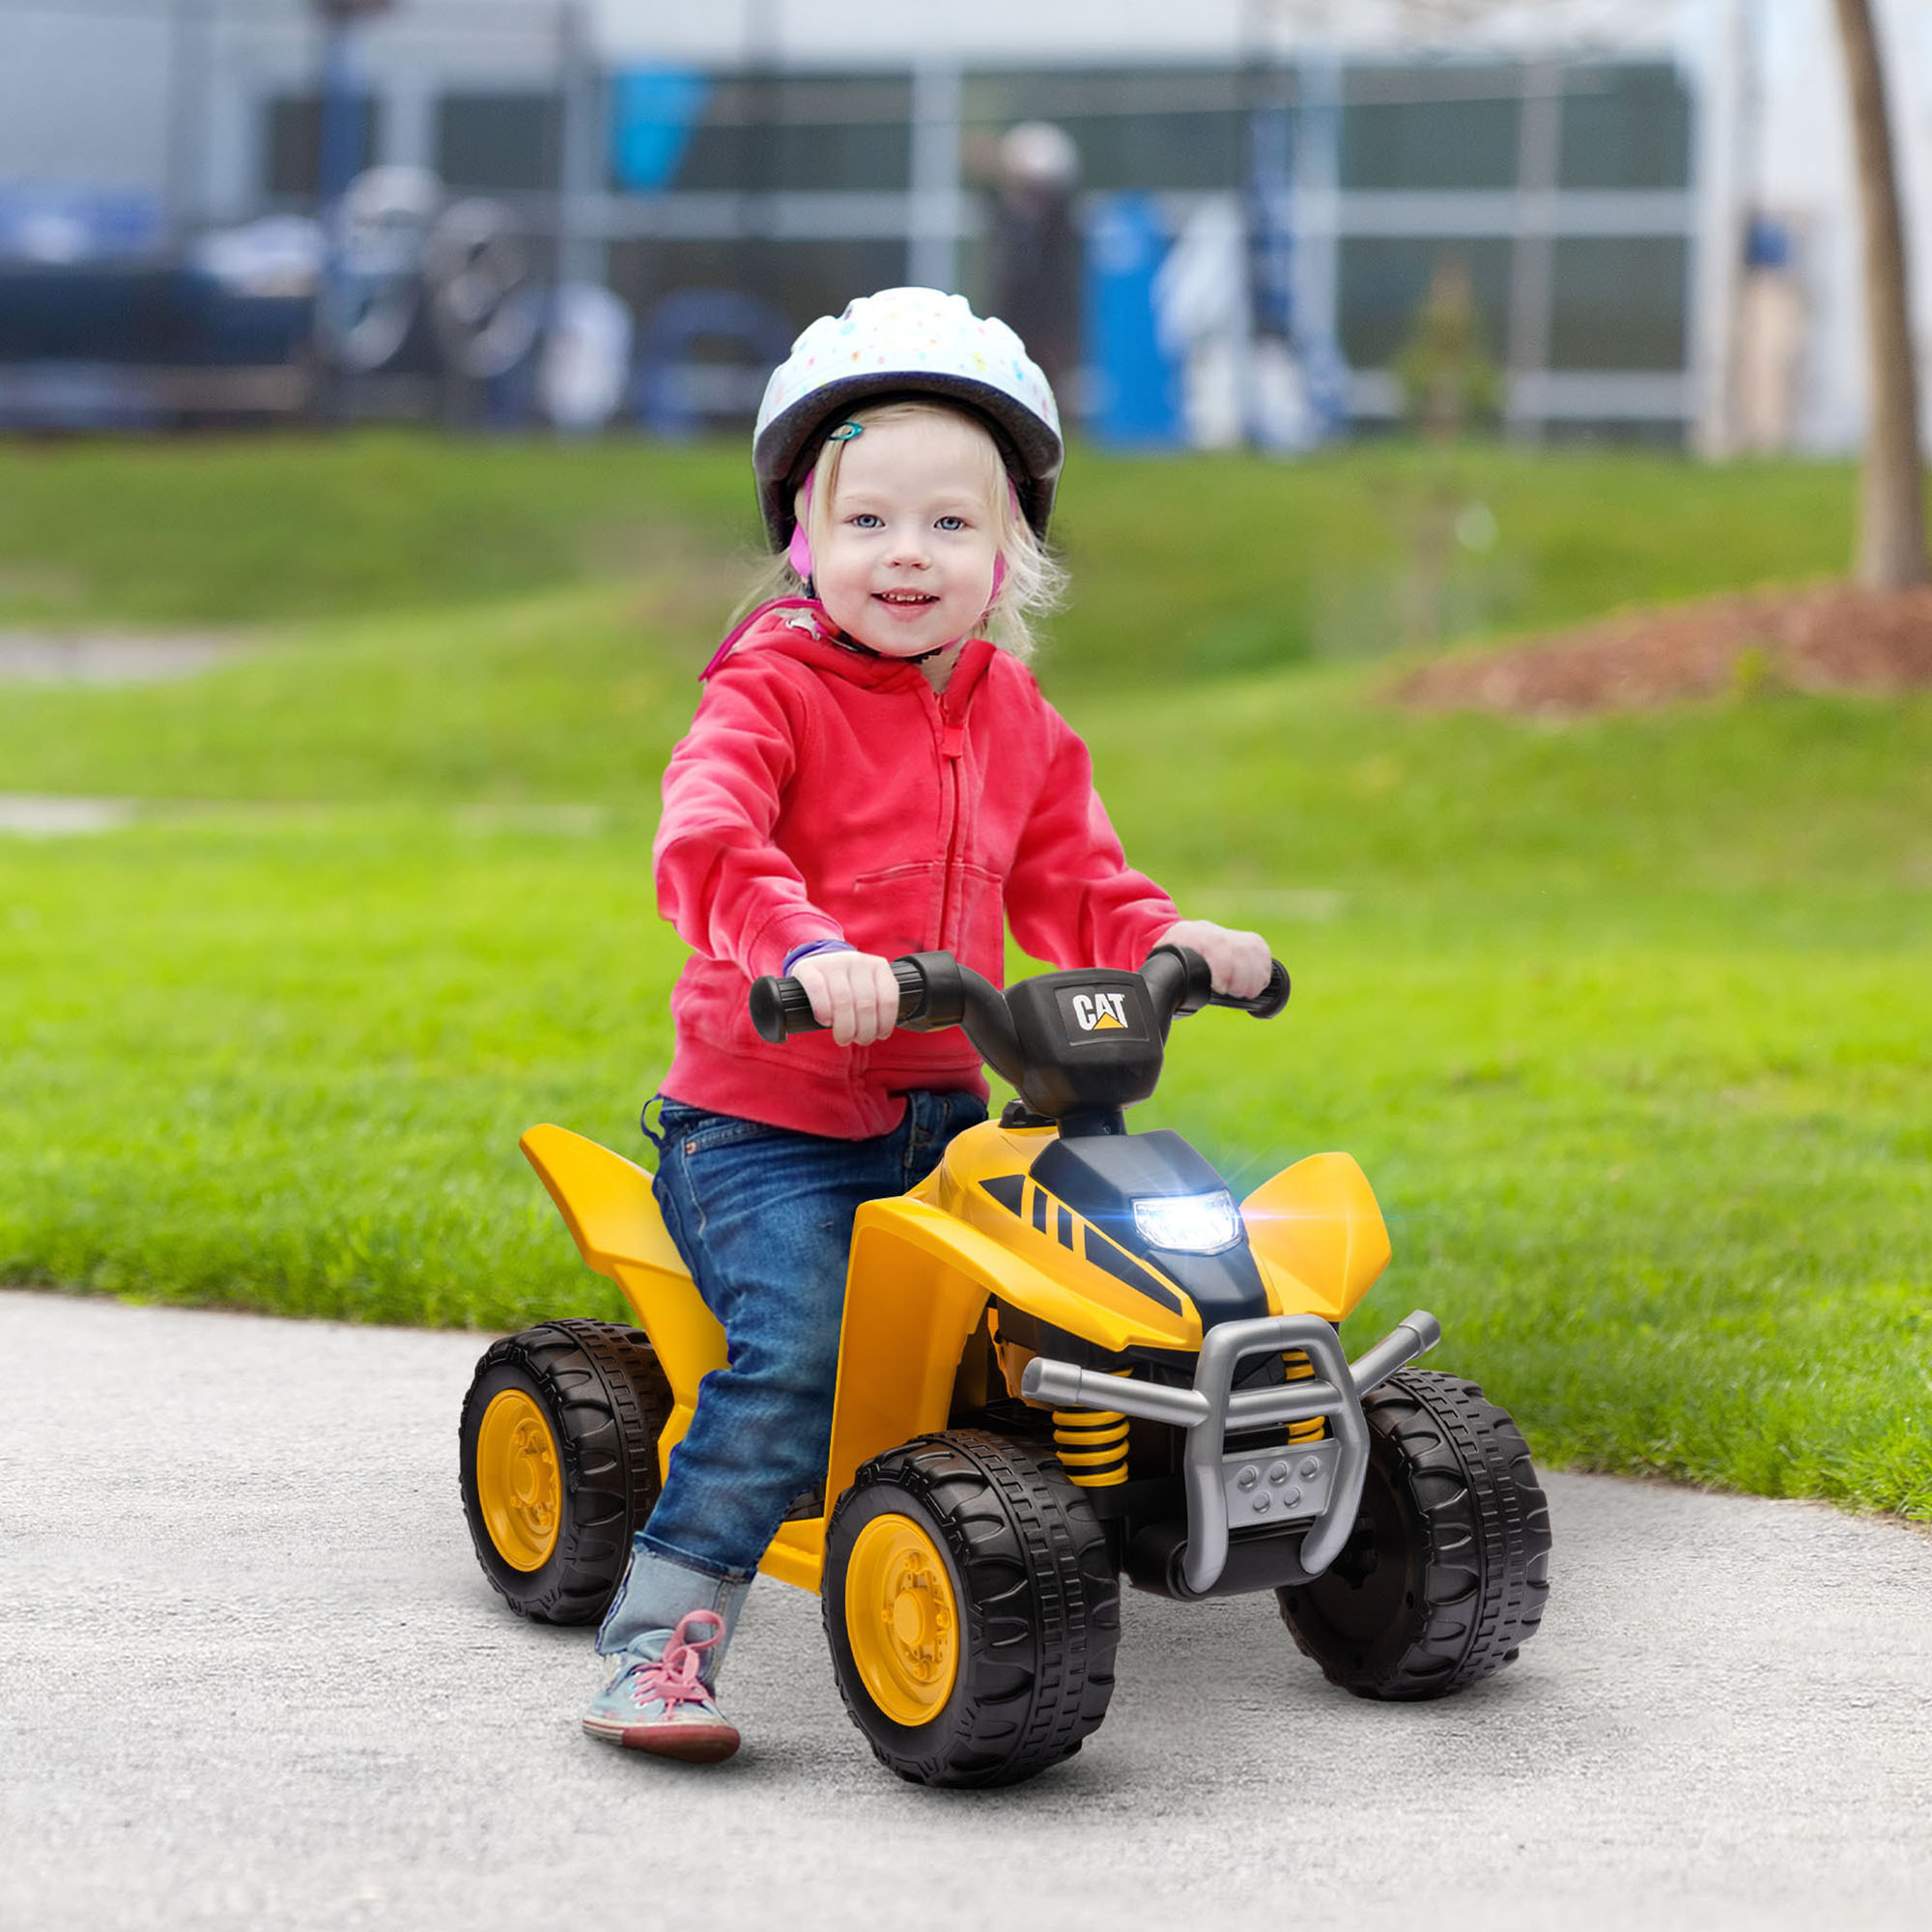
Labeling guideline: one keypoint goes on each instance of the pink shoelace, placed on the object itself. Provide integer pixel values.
(674, 1679)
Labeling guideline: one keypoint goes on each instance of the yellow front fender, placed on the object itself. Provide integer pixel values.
(1319, 1236)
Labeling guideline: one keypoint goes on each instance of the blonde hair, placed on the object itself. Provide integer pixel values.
(1034, 582)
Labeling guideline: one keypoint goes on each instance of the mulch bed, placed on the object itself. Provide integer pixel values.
(1826, 638)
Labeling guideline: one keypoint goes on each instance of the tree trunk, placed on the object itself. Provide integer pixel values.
(1891, 515)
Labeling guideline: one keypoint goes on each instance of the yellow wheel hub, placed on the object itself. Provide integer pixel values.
(902, 1619)
(517, 1481)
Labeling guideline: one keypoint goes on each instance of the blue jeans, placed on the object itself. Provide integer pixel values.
(764, 1219)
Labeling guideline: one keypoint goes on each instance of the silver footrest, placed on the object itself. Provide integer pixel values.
(1260, 1489)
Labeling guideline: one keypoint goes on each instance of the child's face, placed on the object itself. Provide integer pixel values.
(907, 564)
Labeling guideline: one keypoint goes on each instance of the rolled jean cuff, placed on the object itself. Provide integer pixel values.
(647, 1545)
(657, 1593)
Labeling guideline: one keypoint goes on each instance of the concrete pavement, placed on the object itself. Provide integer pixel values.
(251, 1676)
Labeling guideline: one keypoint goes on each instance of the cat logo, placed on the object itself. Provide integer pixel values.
(1100, 1012)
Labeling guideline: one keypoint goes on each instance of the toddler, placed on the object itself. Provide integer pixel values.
(869, 774)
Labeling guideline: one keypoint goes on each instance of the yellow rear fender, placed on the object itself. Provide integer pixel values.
(607, 1203)
(1319, 1234)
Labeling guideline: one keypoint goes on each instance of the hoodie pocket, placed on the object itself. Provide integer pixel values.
(895, 911)
(977, 929)
(899, 910)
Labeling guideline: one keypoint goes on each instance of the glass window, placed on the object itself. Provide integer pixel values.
(1384, 283)
(1625, 126)
(1000, 97)
(1618, 302)
(1158, 151)
(1135, 127)
(1418, 127)
(292, 142)
(501, 143)
(808, 131)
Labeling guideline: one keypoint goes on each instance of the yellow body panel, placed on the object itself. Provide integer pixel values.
(797, 1553)
(922, 1269)
(1318, 1234)
(1038, 1273)
(915, 1292)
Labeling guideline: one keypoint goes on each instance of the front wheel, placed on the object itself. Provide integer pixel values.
(971, 1609)
(558, 1457)
(1445, 1575)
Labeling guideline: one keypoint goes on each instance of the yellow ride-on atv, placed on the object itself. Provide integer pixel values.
(1067, 1356)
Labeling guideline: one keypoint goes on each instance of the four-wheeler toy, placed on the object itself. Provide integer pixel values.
(1067, 1356)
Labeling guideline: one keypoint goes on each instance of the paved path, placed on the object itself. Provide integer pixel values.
(107, 657)
(252, 1677)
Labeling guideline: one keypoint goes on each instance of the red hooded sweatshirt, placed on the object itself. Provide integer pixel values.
(825, 793)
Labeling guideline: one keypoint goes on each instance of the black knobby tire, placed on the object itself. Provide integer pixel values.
(1040, 1605)
(606, 1400)
(1448, 1572)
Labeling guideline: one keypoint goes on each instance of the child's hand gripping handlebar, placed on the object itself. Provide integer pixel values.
(1266, 1004)
(782, 1008)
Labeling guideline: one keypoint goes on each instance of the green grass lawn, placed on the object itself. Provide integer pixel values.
(1626, 1019)
(1180, 566)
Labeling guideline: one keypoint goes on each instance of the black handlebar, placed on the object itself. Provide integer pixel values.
(782, 1008)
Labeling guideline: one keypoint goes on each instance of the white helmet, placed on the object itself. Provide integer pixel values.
(905, 342)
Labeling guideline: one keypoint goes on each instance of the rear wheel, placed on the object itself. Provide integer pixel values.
(1445, 1575)
(971, 1609)
(559, 1448)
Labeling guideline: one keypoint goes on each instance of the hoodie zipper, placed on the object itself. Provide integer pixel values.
(951, 748)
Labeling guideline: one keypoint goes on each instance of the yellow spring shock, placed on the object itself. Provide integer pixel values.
(1298, 1368)
(1092, 1445)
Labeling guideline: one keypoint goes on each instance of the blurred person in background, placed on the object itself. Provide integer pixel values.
(1037, 252)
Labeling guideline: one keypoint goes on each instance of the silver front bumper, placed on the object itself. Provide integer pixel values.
(1318, 1484)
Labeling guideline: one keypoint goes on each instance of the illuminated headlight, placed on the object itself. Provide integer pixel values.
(1190, 1224)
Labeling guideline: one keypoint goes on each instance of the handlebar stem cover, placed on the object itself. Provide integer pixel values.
(942, 996)
(1178, 981)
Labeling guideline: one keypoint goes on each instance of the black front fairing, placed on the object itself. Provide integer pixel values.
(1100, 1177)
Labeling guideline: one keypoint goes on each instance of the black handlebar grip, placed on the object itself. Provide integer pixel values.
(782, 1008)
(1266, 1004)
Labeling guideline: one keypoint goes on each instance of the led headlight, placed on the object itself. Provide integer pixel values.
(1189, 1224)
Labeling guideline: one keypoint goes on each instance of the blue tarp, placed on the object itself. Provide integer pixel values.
(653, 110)
(1136, 400)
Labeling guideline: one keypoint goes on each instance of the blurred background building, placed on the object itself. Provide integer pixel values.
(1216, 224)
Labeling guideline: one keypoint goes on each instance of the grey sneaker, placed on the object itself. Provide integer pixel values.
(659, 1702)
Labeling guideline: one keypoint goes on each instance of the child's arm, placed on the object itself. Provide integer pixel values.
(721, 881)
